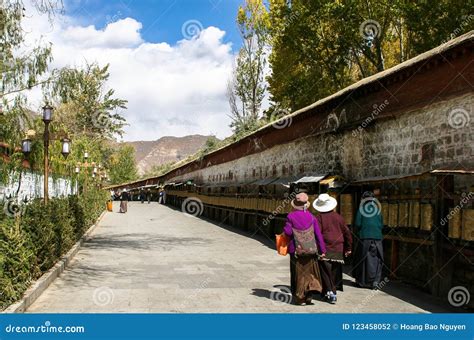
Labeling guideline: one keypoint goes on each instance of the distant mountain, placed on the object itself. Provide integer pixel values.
(164, 150)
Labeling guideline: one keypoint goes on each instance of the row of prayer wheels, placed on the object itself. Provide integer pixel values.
(408, 214)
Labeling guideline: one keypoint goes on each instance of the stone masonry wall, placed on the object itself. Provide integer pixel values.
(440, 134)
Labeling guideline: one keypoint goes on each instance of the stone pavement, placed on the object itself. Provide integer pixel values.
(157, 259)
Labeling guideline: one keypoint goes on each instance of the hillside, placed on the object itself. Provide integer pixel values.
(164, 150)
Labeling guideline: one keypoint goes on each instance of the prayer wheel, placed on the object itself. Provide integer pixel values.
(454, 228)
(426, 217)
(347, 208)
(414, 215)
(403, 214)
(393, 215)
(385, 209)
(468, 224)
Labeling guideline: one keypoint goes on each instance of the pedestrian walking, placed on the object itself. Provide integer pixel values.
(142, 196)
(306, 242)
(368, 259)
(148, 196)
(338, 240)
(162, 196)
(124, 197)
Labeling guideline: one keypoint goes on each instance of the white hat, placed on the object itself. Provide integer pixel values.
(324, 203)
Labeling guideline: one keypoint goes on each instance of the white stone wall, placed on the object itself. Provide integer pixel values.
(31, 186)
(388, 147)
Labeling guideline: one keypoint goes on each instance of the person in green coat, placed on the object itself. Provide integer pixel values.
(368, 257)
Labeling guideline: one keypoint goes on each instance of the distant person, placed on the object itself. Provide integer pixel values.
(306, 242)
(148, 196)
(368, 257)
(142, 196)
(162, 196)
(338, 240)
(124, 197)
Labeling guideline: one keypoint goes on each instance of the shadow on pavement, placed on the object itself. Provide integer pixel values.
(136, 241)
(264, 240)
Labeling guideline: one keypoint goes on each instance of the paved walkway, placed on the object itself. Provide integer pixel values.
(156, 259)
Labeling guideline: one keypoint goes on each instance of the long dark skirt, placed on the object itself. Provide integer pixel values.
(123, 206)
(305, 277)
(368, 262)
(331, 275)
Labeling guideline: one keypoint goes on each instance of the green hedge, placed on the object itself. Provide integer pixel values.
(33, 242)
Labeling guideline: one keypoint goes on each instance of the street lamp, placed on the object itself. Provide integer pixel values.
(47, 114)
(26, 146)
(66, 147)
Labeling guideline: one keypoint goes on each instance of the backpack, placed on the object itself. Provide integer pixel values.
(305, 242)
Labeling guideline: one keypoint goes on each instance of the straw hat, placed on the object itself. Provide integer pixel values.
(324, 203)
(300, 202)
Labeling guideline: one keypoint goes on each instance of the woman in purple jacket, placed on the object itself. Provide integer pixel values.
(304, 270)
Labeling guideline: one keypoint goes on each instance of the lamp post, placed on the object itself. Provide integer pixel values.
(95, 169)
(65, 148)
(47, 117)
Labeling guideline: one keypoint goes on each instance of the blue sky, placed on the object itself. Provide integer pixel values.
(174, 79)
(162, 19)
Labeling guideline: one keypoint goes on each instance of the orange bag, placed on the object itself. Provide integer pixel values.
(109, 205)
(282, 242)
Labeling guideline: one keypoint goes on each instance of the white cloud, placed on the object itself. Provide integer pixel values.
(123, 33)
(174, 89)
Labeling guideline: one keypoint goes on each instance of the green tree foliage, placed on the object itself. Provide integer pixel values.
(321, 46)
(86, 110)
(246, 89)
(85, 105)
(22, 67)
(122, 165)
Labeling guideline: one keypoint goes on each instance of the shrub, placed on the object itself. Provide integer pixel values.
(16, 262)
(32, 243)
